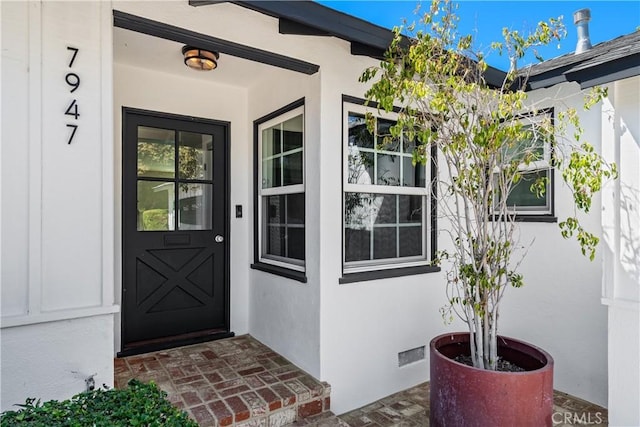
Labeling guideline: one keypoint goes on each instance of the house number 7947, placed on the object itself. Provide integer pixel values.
(73, 80)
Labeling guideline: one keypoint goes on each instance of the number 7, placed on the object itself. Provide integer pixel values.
(73, 132)
(75, 52)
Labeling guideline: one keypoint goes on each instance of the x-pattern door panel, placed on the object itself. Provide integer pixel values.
(175, 219)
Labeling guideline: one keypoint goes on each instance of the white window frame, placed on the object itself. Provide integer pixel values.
(538, 166)
(289, 263)
(424, 192)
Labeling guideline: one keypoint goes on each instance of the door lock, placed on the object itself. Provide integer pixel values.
(219, 238)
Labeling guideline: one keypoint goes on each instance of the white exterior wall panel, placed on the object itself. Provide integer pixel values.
(621, 228)
(57, 223)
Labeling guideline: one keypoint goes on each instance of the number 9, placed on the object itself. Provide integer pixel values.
(73, 80)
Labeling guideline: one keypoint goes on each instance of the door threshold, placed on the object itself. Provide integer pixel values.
(140, 347)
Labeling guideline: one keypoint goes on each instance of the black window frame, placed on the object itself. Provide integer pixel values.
(530, 215)
(292, 271)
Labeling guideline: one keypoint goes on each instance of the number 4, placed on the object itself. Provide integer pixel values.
(72, 110)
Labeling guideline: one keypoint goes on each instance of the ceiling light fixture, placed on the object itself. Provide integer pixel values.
(200, 59)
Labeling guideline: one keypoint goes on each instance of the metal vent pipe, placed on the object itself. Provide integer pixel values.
(581, 19)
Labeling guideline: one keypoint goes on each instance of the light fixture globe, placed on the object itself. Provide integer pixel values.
(200, 59)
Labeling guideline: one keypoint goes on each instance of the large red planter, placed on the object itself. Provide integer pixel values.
(462, 395)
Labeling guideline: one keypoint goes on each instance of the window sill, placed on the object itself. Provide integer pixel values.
(280, 271)
(533, 218)
(386, 274)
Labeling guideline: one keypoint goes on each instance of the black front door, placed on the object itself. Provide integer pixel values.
(175, 230)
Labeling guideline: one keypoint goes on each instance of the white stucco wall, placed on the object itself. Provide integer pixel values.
(52, 360)
(285, 313)
(57, 223)
(621, 226)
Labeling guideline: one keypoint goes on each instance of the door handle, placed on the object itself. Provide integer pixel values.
(219, 238)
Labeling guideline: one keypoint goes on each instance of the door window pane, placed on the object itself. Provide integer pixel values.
(156, 152)
(155, 206)
(194, 206)
(195, 155)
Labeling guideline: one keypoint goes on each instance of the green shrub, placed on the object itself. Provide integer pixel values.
(138, 405)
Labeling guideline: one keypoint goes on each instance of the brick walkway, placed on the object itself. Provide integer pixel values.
(231, 382)
(410, 408)
(241, 382)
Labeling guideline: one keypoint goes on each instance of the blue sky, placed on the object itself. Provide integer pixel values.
(609, 19)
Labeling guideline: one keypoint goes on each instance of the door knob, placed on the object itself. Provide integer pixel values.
(219, 239)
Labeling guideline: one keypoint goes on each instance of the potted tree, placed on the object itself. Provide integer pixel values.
(495, 149)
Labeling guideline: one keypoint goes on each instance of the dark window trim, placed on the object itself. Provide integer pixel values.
(280, 271)
(257, 264)
(203, 41)
(432, 221)
(530, 218)
(386, 274)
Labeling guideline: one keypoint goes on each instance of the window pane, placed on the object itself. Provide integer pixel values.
(412, 176)
(195, 155)
(275, 241)
(292, 134)
(273, 208)
(357, 244)
(295, 241)
(410, 209)
(360, 167)
(521, 195)
(194, 211)
(385, 141)
(292, 173)
(384, 242)
(284, 235)
(533, 147)
(411, 241)
(384, 209)
(408, 145)
(271, 173)
(270, 141)
(295, 208)
(359, 135)
(155, 206)
(156, 152)
(388, 170)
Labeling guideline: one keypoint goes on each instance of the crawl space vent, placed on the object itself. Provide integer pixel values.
(410, 356)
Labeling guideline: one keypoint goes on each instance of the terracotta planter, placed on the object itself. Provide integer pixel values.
(461, 395)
